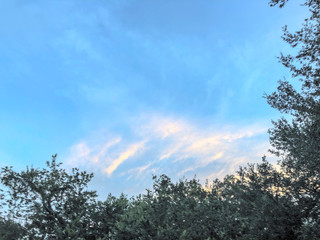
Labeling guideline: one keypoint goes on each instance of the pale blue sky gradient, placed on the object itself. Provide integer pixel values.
(131, 88)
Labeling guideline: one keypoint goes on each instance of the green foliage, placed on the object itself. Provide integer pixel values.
(281, 3)
(256, 203)
(50, 201)
(260, 195)
(182, 210)
(168, 211)
(10, 230)
(107, 214)
(297, 141)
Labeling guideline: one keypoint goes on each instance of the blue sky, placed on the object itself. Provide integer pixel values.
(131, 88)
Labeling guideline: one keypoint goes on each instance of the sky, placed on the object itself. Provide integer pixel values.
(128, 89)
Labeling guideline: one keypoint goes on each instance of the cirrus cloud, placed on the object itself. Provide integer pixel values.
(160, 144)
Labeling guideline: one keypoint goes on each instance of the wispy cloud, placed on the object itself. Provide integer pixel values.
(123, 156)
(192, 148)
(82, 154)
(174, 146)
(79, 153)
(102, 152)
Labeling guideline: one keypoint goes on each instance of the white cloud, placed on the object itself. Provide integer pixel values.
(173, 146)
(79, 152)
(123, 156)
(193, 149)
(83, 154)
(102, 152)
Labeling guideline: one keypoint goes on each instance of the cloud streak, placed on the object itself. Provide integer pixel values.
(157, 144)
(123, 156)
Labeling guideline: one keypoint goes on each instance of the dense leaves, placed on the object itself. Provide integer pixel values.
(182, 210)
(11, 230)
(255, 203)
(50, 201)
(297, 141)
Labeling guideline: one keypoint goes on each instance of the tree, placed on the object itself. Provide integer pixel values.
(107, 215)
(52, 203)
(297, 141)
(260, 195)
(182, 210)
